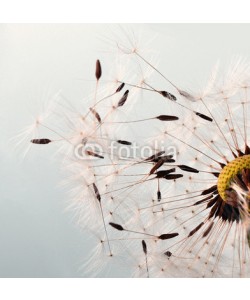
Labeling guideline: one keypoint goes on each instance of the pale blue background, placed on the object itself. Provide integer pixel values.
(37, 237)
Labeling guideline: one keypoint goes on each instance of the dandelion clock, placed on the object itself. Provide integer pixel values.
(158, 175)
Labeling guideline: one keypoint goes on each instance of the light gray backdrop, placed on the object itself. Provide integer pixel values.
(37, 237)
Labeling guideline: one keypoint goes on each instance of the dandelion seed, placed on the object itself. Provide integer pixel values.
(167, 236)
(41, 141)
(168, 253)
(123, 99)
(159, 195)
(192, 232)
(95, 113)
(173, 176)
(187, 95)
(120, 87)
(144, 247)
(163, 173)
(98, 196)
(188, 169)
(124, 142)
(204, 117)
(168, 95)
(91, 153)
(116, 226)
(98, 70)
(156, 156)
(167, 118)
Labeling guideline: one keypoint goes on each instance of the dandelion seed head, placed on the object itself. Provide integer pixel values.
(181, 207)
(231, 170)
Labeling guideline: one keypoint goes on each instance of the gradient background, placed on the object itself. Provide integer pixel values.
(37, 237)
